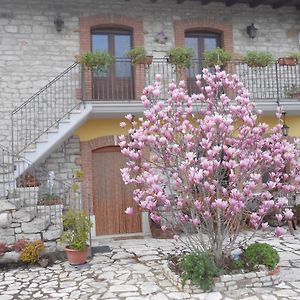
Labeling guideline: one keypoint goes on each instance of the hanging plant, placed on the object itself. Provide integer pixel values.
(138, 56)
(181, 57)
(99, 60)
(217, 57)
(258, 59)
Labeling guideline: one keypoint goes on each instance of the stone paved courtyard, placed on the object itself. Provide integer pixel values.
(133, 270)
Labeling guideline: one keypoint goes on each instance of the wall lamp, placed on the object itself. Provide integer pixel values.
(252, 31)
(285, 128)
(58, 22)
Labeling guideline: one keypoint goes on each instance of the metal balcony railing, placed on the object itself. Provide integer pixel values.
(124, 82)
(270, 83)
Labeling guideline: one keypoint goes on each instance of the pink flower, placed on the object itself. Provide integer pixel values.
(123, 124)
(288, 214)
(129, 211)
(163, 227)
(264, 226)
(176, 237)
(278, 217)
(158, 77)
(279, 231)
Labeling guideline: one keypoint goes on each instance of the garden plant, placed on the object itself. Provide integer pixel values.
(206, 162)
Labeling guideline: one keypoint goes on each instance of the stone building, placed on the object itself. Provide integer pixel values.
(61, 119)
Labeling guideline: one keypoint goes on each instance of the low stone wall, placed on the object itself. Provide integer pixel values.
(228, 282)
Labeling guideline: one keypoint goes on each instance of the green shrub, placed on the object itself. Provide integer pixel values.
(199, 268)
(217, 57)
(32, 251)
(137, 55)
(77, 227)
(295, 55)
(99, 60)
(258, 59)
(181, 57)
(260, 254)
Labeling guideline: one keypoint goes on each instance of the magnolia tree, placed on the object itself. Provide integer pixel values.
(197, 162)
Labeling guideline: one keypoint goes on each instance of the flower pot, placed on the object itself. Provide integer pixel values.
(295, 95)
(76, 257)
(147, 60)
(286, 61)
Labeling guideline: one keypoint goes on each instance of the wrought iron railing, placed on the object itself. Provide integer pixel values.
(46, 108)
(124, 82)
(37, 192)
(271, 83)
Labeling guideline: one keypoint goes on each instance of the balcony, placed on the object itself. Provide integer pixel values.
(268, 86)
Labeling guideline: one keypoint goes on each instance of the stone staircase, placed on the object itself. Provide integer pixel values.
(52, 138)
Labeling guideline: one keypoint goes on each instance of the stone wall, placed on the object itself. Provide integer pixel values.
(63, 162)
(32, 52)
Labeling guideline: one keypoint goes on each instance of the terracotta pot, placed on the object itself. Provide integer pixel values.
(295, 95)
(147, 60)
(287, 61)
(76, 257)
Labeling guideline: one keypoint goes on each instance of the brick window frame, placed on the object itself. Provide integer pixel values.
(88, 23)
(222, 28)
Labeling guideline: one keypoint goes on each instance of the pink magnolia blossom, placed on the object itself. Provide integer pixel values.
(129, 211)
(288, 214)
(279, 231)
(207, 156)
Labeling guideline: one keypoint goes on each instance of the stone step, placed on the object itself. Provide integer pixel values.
(37, 225)
(24, 214)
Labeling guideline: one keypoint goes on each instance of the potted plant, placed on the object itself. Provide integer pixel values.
(138, 56)
(217, 57)
(99, 60)
(181, 57)
(77, 227)
(258, 59)
(291, 60)
(293, 91)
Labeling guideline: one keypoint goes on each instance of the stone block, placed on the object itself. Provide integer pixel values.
(52, 233)
(5, 206)
(5, 220)
(28, 236)
(24, 215)
(35, 226)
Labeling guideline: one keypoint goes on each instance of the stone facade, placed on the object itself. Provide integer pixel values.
(32, 52)
(64, 161)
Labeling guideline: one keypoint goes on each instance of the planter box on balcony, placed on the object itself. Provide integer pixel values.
(286, 61)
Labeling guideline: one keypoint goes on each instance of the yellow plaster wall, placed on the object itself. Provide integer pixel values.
(102, 127)
(94, 128)
(292, 121)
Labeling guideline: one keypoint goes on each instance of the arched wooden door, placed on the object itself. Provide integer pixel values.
(111, 195)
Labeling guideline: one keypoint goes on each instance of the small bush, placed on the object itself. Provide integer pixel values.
(32, 251)
(217, 57)
(3, 248)
(199, 268)
(181, 57)
(99, 60)
(259, 254)
(258, 59)
(19, 245)
(295, 55)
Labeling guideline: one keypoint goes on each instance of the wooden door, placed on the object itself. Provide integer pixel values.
(111, 195)
(117, 82)
(199, 42)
